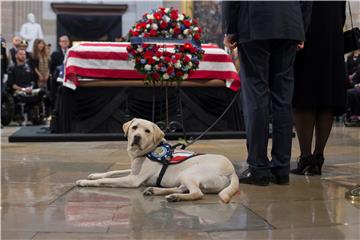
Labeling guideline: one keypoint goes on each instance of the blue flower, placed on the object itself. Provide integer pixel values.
(143, 61)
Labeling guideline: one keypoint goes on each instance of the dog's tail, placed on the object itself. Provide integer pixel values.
(227, 193)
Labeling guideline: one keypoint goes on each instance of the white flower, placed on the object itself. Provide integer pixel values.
(186, 31)
(185, 76)
(196, 29)
(190, 64)
(177, 65)
(166, 76)
(189, 55)
(157, 67)
(167, 10)
(171, 30)
(140, 49)
(155, 58)
(166, 18)
(150, 16)
(154, 26)
(180, 17)
(147, 25)
(147, 67)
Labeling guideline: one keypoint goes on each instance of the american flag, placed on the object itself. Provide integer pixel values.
(90, 61)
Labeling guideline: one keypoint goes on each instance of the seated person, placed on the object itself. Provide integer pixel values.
(20, 77)
(353, 97)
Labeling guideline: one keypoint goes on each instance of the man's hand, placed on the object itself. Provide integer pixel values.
(28, 90)
(230, 42)
(300, 45)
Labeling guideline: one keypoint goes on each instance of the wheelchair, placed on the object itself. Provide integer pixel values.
(22, 108)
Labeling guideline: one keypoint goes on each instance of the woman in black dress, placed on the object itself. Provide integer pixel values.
(320, 85)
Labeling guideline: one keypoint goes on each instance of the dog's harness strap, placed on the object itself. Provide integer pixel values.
(161, 175)
(165, 166)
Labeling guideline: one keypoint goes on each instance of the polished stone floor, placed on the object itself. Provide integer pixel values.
(40, 201)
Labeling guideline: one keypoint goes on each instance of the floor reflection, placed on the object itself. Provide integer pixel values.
(137, 213)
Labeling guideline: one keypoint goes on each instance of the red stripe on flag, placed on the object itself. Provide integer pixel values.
(124, 56)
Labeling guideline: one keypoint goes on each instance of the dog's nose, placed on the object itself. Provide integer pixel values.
(136, 139)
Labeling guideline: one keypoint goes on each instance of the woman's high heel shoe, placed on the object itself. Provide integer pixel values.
(305, 166)
(319, 161)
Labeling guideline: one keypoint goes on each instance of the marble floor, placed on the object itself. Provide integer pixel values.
(40, 201)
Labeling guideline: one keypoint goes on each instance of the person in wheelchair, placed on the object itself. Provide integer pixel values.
(23, 88)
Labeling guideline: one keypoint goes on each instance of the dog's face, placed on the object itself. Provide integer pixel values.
(142, 135)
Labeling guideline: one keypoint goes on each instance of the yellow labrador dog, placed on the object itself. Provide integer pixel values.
(186, 181)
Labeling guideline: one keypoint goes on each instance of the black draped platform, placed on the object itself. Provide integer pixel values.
(105, 109)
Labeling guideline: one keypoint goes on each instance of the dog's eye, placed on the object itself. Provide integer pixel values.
(147, 130)
(134, 127)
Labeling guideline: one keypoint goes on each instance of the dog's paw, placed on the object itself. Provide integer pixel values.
(95, 176)
(148, 191)
(84, 183)
(172, 198)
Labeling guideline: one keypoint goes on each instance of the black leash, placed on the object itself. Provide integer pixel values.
(187, 144)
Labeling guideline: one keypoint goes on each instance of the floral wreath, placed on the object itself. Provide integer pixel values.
(154, 60)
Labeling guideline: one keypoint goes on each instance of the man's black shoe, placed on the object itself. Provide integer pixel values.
(280, 180)
(248, 178)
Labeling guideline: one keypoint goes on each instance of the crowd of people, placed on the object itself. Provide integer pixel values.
(33, 73)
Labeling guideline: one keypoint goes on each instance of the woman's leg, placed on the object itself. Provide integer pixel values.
(304, 125)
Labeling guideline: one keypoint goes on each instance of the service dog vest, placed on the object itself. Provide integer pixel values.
(166, 155)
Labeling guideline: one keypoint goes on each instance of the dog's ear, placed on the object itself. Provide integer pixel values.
(158, 134)
(126, 126)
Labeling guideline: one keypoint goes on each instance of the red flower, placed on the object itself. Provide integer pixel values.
(177, 30)
(158, 54)
(186, 59)
(200, 30)
(153, 32)
(157, 16)
(148, 55)
(167, 54)
(174, 15)
(135, 33)
(163, 24)
(145, 45)
(196, 36)
(169, 70)
(179, 73)
(162, 9)
(148, 22)
(187, 23)
(188, 45)
(177, 56)
(155, 76)
(146, 35)
(195, 22)
(151, 61)
(167, 59)
(128, 48)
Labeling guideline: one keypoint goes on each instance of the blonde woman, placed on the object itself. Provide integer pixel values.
(40, 61)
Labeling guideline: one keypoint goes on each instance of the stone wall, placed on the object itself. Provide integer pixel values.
(13, 15)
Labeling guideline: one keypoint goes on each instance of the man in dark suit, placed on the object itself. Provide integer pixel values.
(267, 35)
(57, 60)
